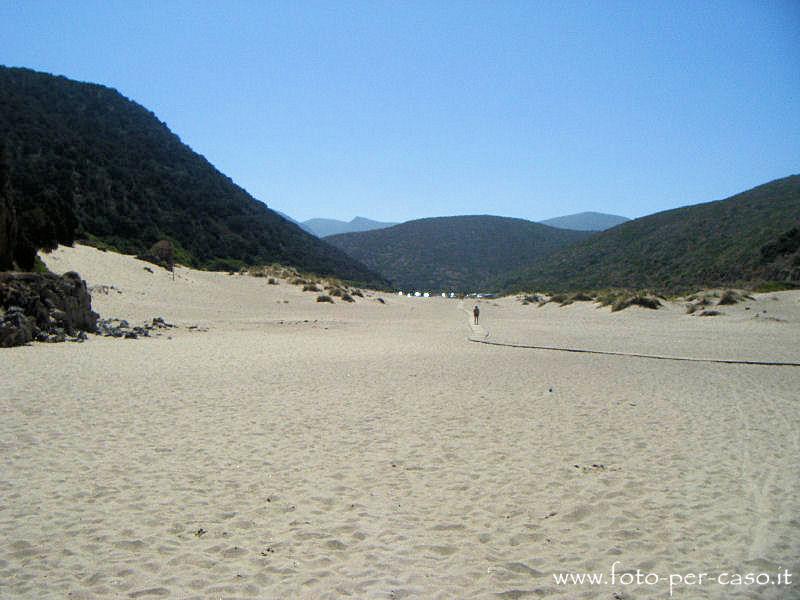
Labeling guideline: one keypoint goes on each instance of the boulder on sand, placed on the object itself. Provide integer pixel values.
(42, 306)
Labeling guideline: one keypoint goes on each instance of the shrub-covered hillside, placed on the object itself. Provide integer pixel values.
(83, 161)
(750, 238)
(458, 253)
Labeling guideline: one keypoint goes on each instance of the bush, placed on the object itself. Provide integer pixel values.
(774, 286)
(272, 281)
(347, 297)
(624, 302)
(324, 298)
(224, 264)
(608, 298)
(165, 253)
(581, 297)
(310, 287)
(732, 297)
(531, 299)
(39, 266)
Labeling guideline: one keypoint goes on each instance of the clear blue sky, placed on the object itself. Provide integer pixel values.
(398, 110)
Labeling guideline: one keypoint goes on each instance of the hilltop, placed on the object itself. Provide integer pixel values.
(747, 239)
(586, 221)
(460, 253)
(84, 162)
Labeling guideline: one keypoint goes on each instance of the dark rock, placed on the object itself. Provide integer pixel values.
(16, 329)
(81, 337)
(59, 316)
(44, 306)
(120, 328)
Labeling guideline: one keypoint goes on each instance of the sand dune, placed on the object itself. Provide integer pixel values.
(293, 449)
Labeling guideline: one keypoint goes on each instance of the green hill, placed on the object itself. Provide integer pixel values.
(747, 239)
(84, 162)
(453, 253)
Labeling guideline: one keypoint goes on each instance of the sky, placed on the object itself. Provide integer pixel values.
(402, 110)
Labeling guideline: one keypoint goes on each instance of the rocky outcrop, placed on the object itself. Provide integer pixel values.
(120, 328)
(44, 307)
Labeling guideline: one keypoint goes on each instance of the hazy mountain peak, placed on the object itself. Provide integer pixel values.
(325, 227)
(586, 221)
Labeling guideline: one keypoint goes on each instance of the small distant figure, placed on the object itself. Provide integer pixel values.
(476, 312)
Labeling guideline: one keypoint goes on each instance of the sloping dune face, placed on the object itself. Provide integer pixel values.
(270, 446)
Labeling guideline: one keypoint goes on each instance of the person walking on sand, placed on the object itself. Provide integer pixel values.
(476, 312)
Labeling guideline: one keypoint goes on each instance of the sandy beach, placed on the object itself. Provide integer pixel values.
(270, 446)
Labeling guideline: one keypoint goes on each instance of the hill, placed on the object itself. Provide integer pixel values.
(453, 253)
(325, 227)
(84, 162)
(747, 239)
(586, 221)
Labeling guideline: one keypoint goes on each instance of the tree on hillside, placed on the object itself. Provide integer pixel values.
(164, 254)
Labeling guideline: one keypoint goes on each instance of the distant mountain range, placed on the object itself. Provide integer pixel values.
(460, 253)
(81, 161)
(747, 239)
(325, 227)
(586, 221)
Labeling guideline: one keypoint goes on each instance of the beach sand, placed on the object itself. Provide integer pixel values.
(284, 448)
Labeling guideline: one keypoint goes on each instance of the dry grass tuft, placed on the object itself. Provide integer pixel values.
(642, 300)
(732, 297)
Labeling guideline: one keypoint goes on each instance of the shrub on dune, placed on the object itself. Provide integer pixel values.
(732, 297)
(581, 297)
(531, 299)
(324, 298)
(642, 300)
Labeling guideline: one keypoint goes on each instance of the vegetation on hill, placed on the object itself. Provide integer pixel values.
(745, 240)
(453, 253)
(84, 162)
(8, 221)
